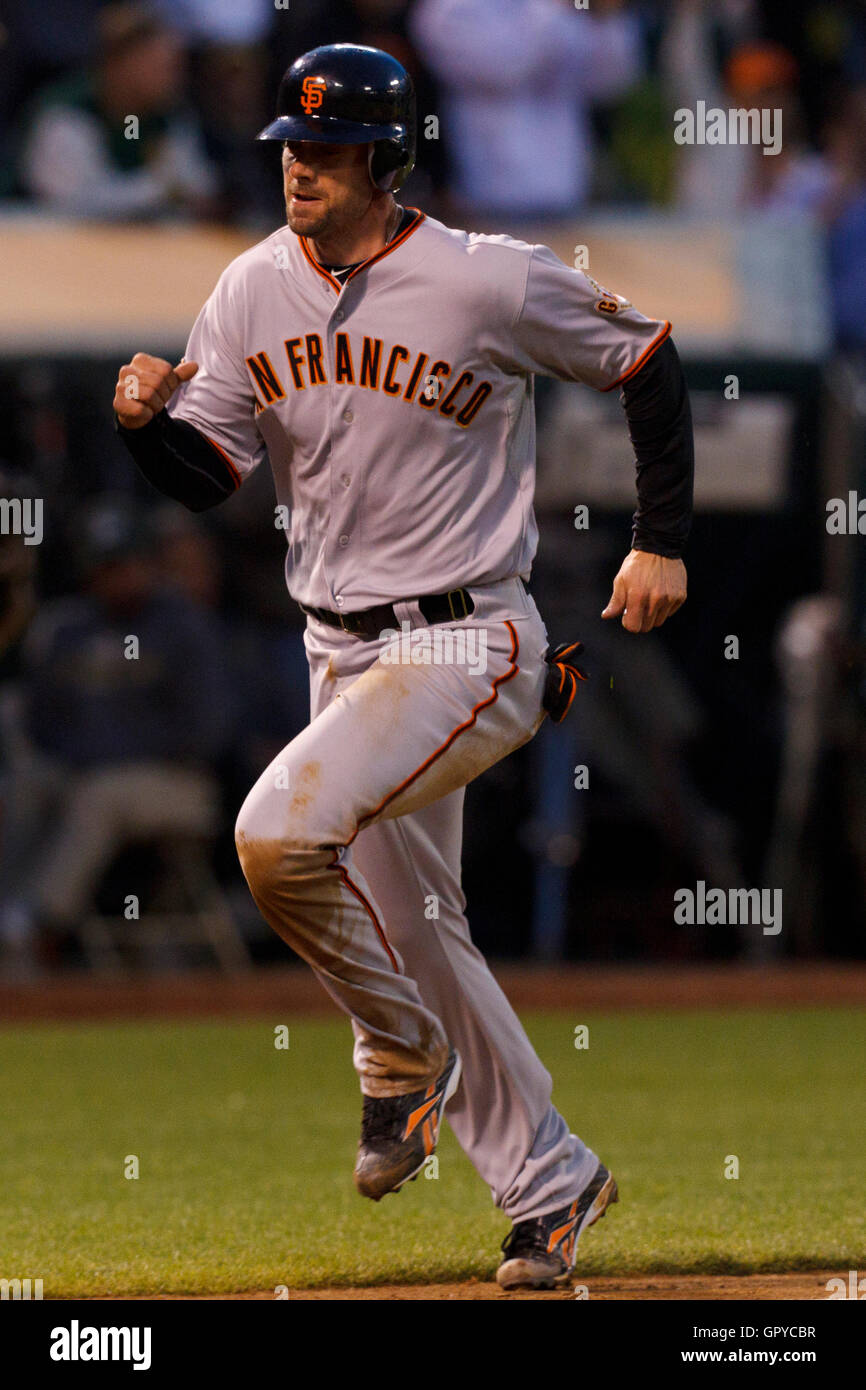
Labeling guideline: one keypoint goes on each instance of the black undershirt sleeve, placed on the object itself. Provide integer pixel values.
(656, 403)
(180, 462)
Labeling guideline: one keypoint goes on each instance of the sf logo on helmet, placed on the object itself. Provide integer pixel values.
(313, 89)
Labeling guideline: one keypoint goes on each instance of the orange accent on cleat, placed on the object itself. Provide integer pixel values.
(418, 1115)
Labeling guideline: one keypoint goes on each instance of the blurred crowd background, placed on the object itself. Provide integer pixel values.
(120, 779)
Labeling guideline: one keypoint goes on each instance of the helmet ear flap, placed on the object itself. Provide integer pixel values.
(387, 165)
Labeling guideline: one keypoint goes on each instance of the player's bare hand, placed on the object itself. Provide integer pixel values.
(145, 386)
(647, 590)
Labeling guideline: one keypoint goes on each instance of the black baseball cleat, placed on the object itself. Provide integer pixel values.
(398, 1133)
(540, 1251)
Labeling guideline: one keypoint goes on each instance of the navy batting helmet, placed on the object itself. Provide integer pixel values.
(344, 94)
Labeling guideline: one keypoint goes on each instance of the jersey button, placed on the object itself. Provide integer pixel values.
(348, 416)
(346, 480)
(344, 541)
(339, 600)
(339, 316)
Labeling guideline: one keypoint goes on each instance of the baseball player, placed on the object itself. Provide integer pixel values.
(385, 364)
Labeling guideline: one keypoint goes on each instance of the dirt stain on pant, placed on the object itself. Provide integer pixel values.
(293, 891)
(300, 895)
(304, 786)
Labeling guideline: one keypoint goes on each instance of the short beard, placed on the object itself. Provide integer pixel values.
(332, 223)
(312, 229)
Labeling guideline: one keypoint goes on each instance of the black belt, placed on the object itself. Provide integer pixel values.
(454, 606)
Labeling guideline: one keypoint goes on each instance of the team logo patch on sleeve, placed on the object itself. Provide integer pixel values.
(608, 302)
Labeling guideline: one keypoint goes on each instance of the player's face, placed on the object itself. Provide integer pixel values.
(327, 187)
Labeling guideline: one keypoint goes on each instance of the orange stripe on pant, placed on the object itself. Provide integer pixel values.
(380, 930)
(407, 782)
(455, 733)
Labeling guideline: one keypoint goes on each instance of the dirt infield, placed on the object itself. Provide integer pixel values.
(809, 1286)
(207, 994)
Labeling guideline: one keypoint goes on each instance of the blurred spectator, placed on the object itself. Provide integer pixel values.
(845, 212)
(126, 710)
(518, 78)
(230, 43)
(219, 21)
(717, 180)
(232, 91)
(809, 653)
(268, 658)
(635, 155)
(765, 76)
(696, 38)
(115, 140)
(38, 43)
(186, 556)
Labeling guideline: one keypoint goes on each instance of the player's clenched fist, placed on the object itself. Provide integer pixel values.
(648, 590)
(145, 385)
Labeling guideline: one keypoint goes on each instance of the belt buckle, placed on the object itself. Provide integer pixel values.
(353, 623)
(457, 617)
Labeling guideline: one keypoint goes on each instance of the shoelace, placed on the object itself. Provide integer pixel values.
(527, 1238)
(382, 1117)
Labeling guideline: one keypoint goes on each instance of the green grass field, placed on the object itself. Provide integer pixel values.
(246, 1152)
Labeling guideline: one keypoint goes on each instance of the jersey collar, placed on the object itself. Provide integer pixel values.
(364, 265)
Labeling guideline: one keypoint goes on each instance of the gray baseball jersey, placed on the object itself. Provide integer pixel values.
(397, 408)
(397, 412)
